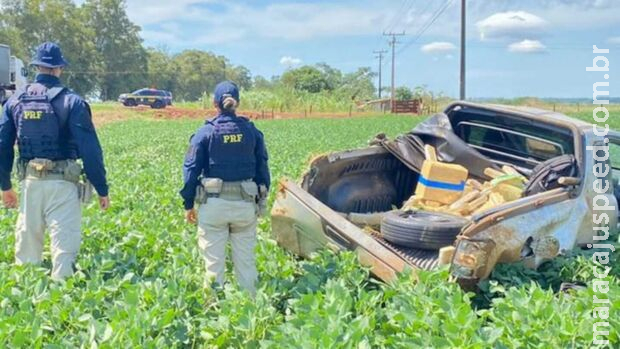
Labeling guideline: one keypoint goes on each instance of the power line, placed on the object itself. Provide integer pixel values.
(396, 18)
(428, 24)
(425, 10)
(393, 43)
(552, 47)
(391, 23)
(405, 11)
(380, 57)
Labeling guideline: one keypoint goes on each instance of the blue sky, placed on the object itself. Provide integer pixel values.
(516, 48)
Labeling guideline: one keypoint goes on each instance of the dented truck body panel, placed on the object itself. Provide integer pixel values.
(302, 224)
(553, 222)
(533, 229)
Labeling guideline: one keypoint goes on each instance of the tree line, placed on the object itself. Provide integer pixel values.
(107, 56)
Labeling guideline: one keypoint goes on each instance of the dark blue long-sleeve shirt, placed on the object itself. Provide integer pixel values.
(81, 130)
(197, 159)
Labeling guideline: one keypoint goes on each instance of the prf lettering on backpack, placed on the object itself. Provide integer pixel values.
(235, 138)
(33, 114)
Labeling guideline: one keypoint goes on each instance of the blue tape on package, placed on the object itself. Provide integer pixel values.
(442, 185)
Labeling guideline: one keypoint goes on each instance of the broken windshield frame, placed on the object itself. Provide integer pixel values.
(513, 144)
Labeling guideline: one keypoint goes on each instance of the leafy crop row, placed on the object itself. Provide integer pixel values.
(140, 279)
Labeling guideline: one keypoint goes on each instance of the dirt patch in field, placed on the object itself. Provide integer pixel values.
(179, 113)
(102, 117)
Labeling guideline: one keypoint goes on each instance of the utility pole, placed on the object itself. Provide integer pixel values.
(380, 56)
(393, 43)
(462, 82)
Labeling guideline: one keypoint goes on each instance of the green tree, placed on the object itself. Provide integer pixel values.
(403, 93)
(333, 76)
(30, 22)
(198, 72)
(11, 35)
(161, 69)
(118, 42)
(261, 83)
(241, 76)
(359, 84)
(306, 78)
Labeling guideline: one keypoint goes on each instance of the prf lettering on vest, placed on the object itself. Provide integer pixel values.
(236, 138)
(33, 115)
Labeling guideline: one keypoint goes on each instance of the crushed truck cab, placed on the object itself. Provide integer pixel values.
(344, 196)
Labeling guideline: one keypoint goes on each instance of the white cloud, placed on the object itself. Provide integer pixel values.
(290, 61)
(614, 40)
(218, 21)
(527, 46)
(438, 47)
(511, 24)
(146, 12)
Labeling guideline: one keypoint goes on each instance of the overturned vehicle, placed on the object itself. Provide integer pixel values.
(356, 200)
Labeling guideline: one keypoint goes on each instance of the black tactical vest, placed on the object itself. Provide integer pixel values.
(231, 149)
(41, 126)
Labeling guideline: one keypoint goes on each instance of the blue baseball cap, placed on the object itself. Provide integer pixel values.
(225, 89)
(49, 55)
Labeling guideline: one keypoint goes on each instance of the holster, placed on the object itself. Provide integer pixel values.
(249, 191)
(20, 170)
(85, 191)
(73, 171)
(212, 186)
(201, 195)
(209, 187)
(263, 194)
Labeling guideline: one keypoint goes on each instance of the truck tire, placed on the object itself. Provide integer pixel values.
(421, 229)
(545, 176)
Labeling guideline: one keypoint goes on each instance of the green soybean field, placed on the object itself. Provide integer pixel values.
(140, 279)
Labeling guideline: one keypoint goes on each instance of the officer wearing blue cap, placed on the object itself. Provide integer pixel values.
(52, 127)
(226, 173)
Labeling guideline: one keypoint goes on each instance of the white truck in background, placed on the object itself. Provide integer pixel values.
(13, 74)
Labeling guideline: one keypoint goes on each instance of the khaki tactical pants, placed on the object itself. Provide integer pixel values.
(220, 220)
(51, 204)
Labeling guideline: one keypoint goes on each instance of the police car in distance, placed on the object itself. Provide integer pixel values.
(154, 98)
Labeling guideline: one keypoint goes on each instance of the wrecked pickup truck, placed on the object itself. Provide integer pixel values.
(344, 197)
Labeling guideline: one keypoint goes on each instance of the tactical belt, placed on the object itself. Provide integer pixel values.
(65, 170)
(42, 169)
(230, 191)
(233, 191)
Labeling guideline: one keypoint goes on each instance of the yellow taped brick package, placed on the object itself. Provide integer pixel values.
(441, 182)
(476, 197)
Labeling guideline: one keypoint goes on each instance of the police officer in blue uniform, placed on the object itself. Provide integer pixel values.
(227, 164)
(52, 127)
